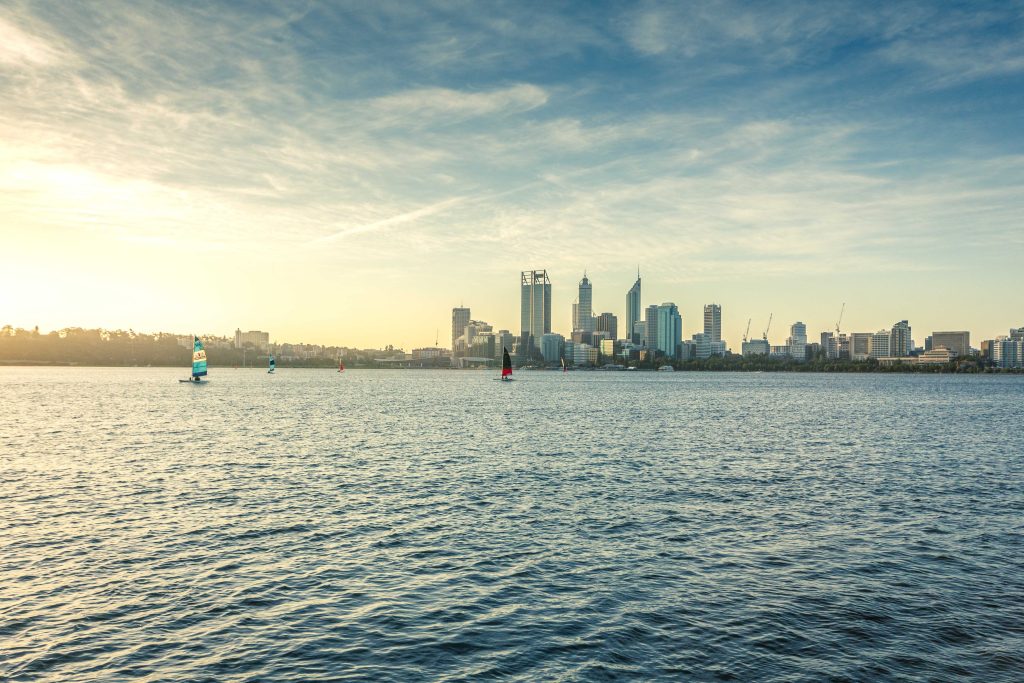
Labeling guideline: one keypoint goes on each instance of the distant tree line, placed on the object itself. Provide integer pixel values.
(820, 363)
(78, 346)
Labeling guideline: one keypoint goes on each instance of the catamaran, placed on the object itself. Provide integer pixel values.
(506, 365)
(273, 365)
(198, 362)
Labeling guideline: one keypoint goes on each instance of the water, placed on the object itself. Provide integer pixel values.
(415, 525)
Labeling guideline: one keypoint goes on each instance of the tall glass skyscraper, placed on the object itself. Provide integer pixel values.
(901, 344)
(583, 311)
(633, 308)
(713, 322)
(535, 306)
(650, 339)
(460, 318)
(670, 329)
(797, 341)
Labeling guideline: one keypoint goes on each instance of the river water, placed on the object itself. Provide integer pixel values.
(430, 525)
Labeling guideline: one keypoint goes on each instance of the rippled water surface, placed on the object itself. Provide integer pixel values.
(418, 525)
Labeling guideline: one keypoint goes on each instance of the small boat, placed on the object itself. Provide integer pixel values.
(273, 365)
(666, 368)
(341, 366)
(198, 362)
(564, 369)
(506, 365)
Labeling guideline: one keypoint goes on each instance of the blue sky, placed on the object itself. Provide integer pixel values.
(347, 172)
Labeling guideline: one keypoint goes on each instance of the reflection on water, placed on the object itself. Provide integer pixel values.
(398, 526)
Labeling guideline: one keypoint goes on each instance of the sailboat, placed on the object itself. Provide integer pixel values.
(341, 366)
(198, 362)
(273, 365)
(564, 369)
(506, 365)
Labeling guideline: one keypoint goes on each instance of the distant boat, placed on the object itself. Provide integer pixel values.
(341, 366)
(666, 368)
(273, 365)
(564, 369)
(506, 366)
(198, 362)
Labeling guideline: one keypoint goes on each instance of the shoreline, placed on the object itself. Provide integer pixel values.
(810, 369)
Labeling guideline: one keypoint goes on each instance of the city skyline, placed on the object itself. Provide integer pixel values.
(348, 173)
(710, 314)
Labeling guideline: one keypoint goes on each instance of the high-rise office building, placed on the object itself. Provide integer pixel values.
(639, 332)
(1007, 352)
(535, 307)
(551, 347)
(257, 339)
(583, 310)
(651, 327)
(797, 341)
(881, 344)
(460, 318)
(608, 322)
(755, 347)
(959, 341)
(504, 340)
(829, 344)
(701, 346)
(713, 322)
(900, 343)
(860, 345)
(670, 329)
(633, 309)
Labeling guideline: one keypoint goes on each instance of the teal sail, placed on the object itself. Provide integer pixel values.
(272, 364)
(198, 358)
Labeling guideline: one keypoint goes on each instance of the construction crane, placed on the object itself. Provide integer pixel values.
(765, 335)
(747, 333)
(839, 322)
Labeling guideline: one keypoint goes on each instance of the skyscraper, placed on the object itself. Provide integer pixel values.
(551, 347)
(535, 309)
(460, 318)
(899, 340)
(670, 329)
(881, 344)
(633, 308)
(713, 322)
(608, 322)
(959, 341)
(651, 332)
(797, 341)
(583, 311)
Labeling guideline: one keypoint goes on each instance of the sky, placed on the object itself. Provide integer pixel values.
(347, 172)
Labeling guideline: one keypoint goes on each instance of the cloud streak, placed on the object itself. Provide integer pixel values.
(715, 143)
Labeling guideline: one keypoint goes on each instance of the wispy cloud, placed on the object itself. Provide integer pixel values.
(391, 221)
(21, 47)
(714, 142)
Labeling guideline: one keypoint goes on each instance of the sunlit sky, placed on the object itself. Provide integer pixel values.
(346, 173)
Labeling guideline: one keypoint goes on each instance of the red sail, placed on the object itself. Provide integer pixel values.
(506, 363)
